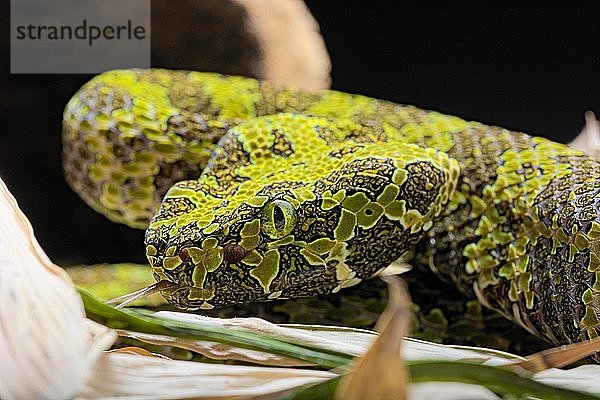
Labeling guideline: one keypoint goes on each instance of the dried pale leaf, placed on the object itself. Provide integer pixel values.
(46, 347)
(352, 341)
(381, 373)
(421, 350)
(100, 338)
(583, 378)
(588, 139)
(293, 49)
(360, 339)
(142, 377)
(397, 267)
(357, 341)
(449, 391)
(138, 351)
(216, 351)
(308, 334)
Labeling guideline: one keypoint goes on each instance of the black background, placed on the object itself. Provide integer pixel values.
(528, 66)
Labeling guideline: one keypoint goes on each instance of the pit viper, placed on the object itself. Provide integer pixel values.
(274, 193)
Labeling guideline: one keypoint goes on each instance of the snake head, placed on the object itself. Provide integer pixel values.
(275, 223)
(293, 239)
(239, 257)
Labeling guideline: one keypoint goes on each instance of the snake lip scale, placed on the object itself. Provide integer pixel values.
(272, 192)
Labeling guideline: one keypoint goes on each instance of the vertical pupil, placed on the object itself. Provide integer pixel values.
(278, 218)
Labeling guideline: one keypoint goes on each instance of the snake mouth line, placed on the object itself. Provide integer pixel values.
(179, 288)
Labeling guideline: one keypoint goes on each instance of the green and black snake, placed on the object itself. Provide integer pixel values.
(273, 193)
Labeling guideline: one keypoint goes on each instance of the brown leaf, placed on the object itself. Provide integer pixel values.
(381, 373)
(139, 351)
(558, 357)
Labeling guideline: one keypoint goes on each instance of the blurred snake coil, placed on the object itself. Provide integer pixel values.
(274, 193)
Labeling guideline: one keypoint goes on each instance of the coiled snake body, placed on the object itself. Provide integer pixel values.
(283, 194)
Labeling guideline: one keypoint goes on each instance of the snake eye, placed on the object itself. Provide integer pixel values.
(278, 219)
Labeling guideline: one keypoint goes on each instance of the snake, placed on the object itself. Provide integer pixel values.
(253, 192)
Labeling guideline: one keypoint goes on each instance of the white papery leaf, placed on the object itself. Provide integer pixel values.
(584, 378)
(217, 351)
(46, 346)
(350, 341)
(292, 47)
(588, 139)
(449, 391)
(141, 377)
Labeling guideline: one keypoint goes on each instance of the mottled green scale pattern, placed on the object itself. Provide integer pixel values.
(287, 194)
(303, 208)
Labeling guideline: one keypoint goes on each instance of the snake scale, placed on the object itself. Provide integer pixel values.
(274, 193)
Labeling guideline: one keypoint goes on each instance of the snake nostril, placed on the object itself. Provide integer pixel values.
(184, 254)
(233, 253)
